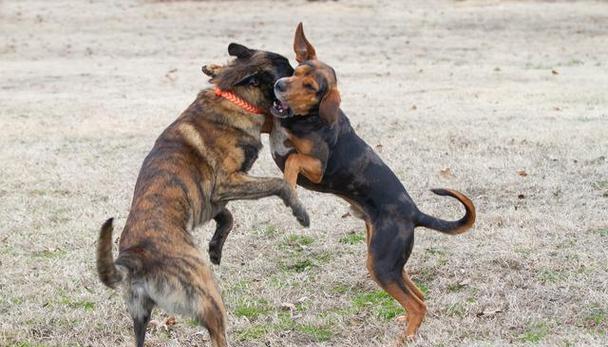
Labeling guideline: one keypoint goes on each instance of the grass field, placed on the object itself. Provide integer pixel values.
(506, 101)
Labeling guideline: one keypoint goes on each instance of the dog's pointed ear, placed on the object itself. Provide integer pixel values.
(239, 51)
(212, 70)
(329, 106)
(304, 50)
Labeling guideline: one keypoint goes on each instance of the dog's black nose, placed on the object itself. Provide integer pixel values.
(280, 85)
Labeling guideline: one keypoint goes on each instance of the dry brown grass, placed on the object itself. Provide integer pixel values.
(86, 88)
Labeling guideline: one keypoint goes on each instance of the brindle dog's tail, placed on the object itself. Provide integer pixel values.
(449, 227)
(108, 272)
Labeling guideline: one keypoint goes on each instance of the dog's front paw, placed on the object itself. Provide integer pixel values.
(300, 213)
(297, 208)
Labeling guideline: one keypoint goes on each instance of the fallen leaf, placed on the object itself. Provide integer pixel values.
(555, 72)
(446, 173)
(288, 306)
(165, 325)
(170, 321)
(489, 312)
(171, 75)
(522, 173)
(464, 282)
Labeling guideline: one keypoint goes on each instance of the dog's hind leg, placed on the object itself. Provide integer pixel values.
(412, 286)
(224, 223)
(209, 307)
(140, 307)
(387, 254)
(214, 319)
(187, 287)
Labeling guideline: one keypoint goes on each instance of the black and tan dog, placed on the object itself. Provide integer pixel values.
(197, 165)
(311, 136)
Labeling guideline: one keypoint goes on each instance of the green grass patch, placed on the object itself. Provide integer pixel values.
(26, 344)
(299, 265)
(535, 333)
(573, 62)
(550, 276)
(426, 275)
(252, 309)
(435, 251)
(78, 304)
(601, 185)
(596, 317)
(323, 257)
(318, 333)
(253, 333)
(267, 231)
(379, 303)
(456, 310)
(278, 281)
(422, 286)
(603, 232)
(239, 287)
(455, 287)
(341, 288)
(50, 254)
(298, 241)
(352, 239)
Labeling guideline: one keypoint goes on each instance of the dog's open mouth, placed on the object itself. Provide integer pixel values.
(281, 109)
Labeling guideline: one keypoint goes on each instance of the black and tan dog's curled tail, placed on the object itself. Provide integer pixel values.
(449, 227)
(106, 269)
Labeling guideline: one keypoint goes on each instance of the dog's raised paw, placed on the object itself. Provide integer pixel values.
(302, 216)
(215, 255)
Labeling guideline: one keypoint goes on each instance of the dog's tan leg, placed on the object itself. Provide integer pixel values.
(395, 282)
(416, 308)
(241, 186)
(412, 286)
(298, 163)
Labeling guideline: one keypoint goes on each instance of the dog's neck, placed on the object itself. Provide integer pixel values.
(227, 113)
(238, 101)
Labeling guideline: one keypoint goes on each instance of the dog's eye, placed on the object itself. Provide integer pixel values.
(254, 82)
(309, 87)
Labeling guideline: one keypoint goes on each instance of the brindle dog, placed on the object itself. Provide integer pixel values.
(197, 165)
(313, 137)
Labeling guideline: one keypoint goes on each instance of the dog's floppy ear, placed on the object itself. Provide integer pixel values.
(239, 51)
(304, 50)
(329, 106)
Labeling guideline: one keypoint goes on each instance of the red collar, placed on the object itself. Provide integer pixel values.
(230, 96)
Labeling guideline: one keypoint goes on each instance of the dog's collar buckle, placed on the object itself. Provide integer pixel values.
(230, 96)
